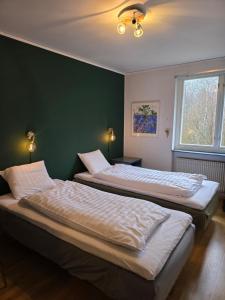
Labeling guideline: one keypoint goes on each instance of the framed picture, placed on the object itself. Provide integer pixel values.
(145, 118)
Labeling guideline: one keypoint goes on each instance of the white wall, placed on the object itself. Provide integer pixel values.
(157, 84)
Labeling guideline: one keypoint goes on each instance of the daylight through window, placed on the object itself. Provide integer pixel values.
(200, 113)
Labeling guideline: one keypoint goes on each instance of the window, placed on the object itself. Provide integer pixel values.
(200, 113)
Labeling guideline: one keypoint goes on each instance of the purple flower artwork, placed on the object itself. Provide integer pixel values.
(145, 116)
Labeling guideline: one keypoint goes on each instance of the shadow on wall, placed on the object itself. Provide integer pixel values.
(149, 4)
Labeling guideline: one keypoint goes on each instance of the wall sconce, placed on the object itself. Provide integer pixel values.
(31, 147)
(111, 135)
(111, 139)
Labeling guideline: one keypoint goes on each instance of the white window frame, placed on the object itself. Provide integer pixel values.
(216, 147)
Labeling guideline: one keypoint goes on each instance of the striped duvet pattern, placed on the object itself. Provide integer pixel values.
(121, 220)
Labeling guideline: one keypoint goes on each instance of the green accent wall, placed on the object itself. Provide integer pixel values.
(69, 104)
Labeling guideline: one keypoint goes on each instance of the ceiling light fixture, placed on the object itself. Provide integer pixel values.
(132, 15)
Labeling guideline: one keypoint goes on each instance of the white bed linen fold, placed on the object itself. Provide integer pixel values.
(198, 201)
(169, 183)
(121, 220)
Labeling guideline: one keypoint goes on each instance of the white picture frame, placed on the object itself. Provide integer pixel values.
(145, 118)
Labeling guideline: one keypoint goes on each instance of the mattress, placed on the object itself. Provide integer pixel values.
(198, 201)
(147, 263)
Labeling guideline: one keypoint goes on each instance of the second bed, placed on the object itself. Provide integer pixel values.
(202, 205)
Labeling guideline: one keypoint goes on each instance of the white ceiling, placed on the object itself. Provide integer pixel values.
(175, 31)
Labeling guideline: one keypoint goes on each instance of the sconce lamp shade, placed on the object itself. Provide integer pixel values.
(111, 134)
(31, 147)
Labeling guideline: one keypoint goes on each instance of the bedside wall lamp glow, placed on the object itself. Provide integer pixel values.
(111, 139)
(111, 135)
(31, 147)
(132, 15)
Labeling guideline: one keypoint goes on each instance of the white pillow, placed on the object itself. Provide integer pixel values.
(94, 161)
(29, 179)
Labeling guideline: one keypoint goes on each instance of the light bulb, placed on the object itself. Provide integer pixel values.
(138, 32)
(32, 147)
(121, 28)
(112, 137)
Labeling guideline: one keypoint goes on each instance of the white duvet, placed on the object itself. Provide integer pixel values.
(148, 180)
(121, 220)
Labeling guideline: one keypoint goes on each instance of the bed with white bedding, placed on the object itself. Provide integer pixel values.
(190, 193)
(52, 218)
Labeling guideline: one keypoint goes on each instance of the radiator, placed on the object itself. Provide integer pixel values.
(214, 170)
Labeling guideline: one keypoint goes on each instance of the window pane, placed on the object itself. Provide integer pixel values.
(199, 111)
(223, 129)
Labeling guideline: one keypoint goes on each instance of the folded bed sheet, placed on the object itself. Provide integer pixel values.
(198, 201)
(168, 183)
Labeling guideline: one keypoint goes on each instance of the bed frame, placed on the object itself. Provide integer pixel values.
(201, 218)
(114, 281)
